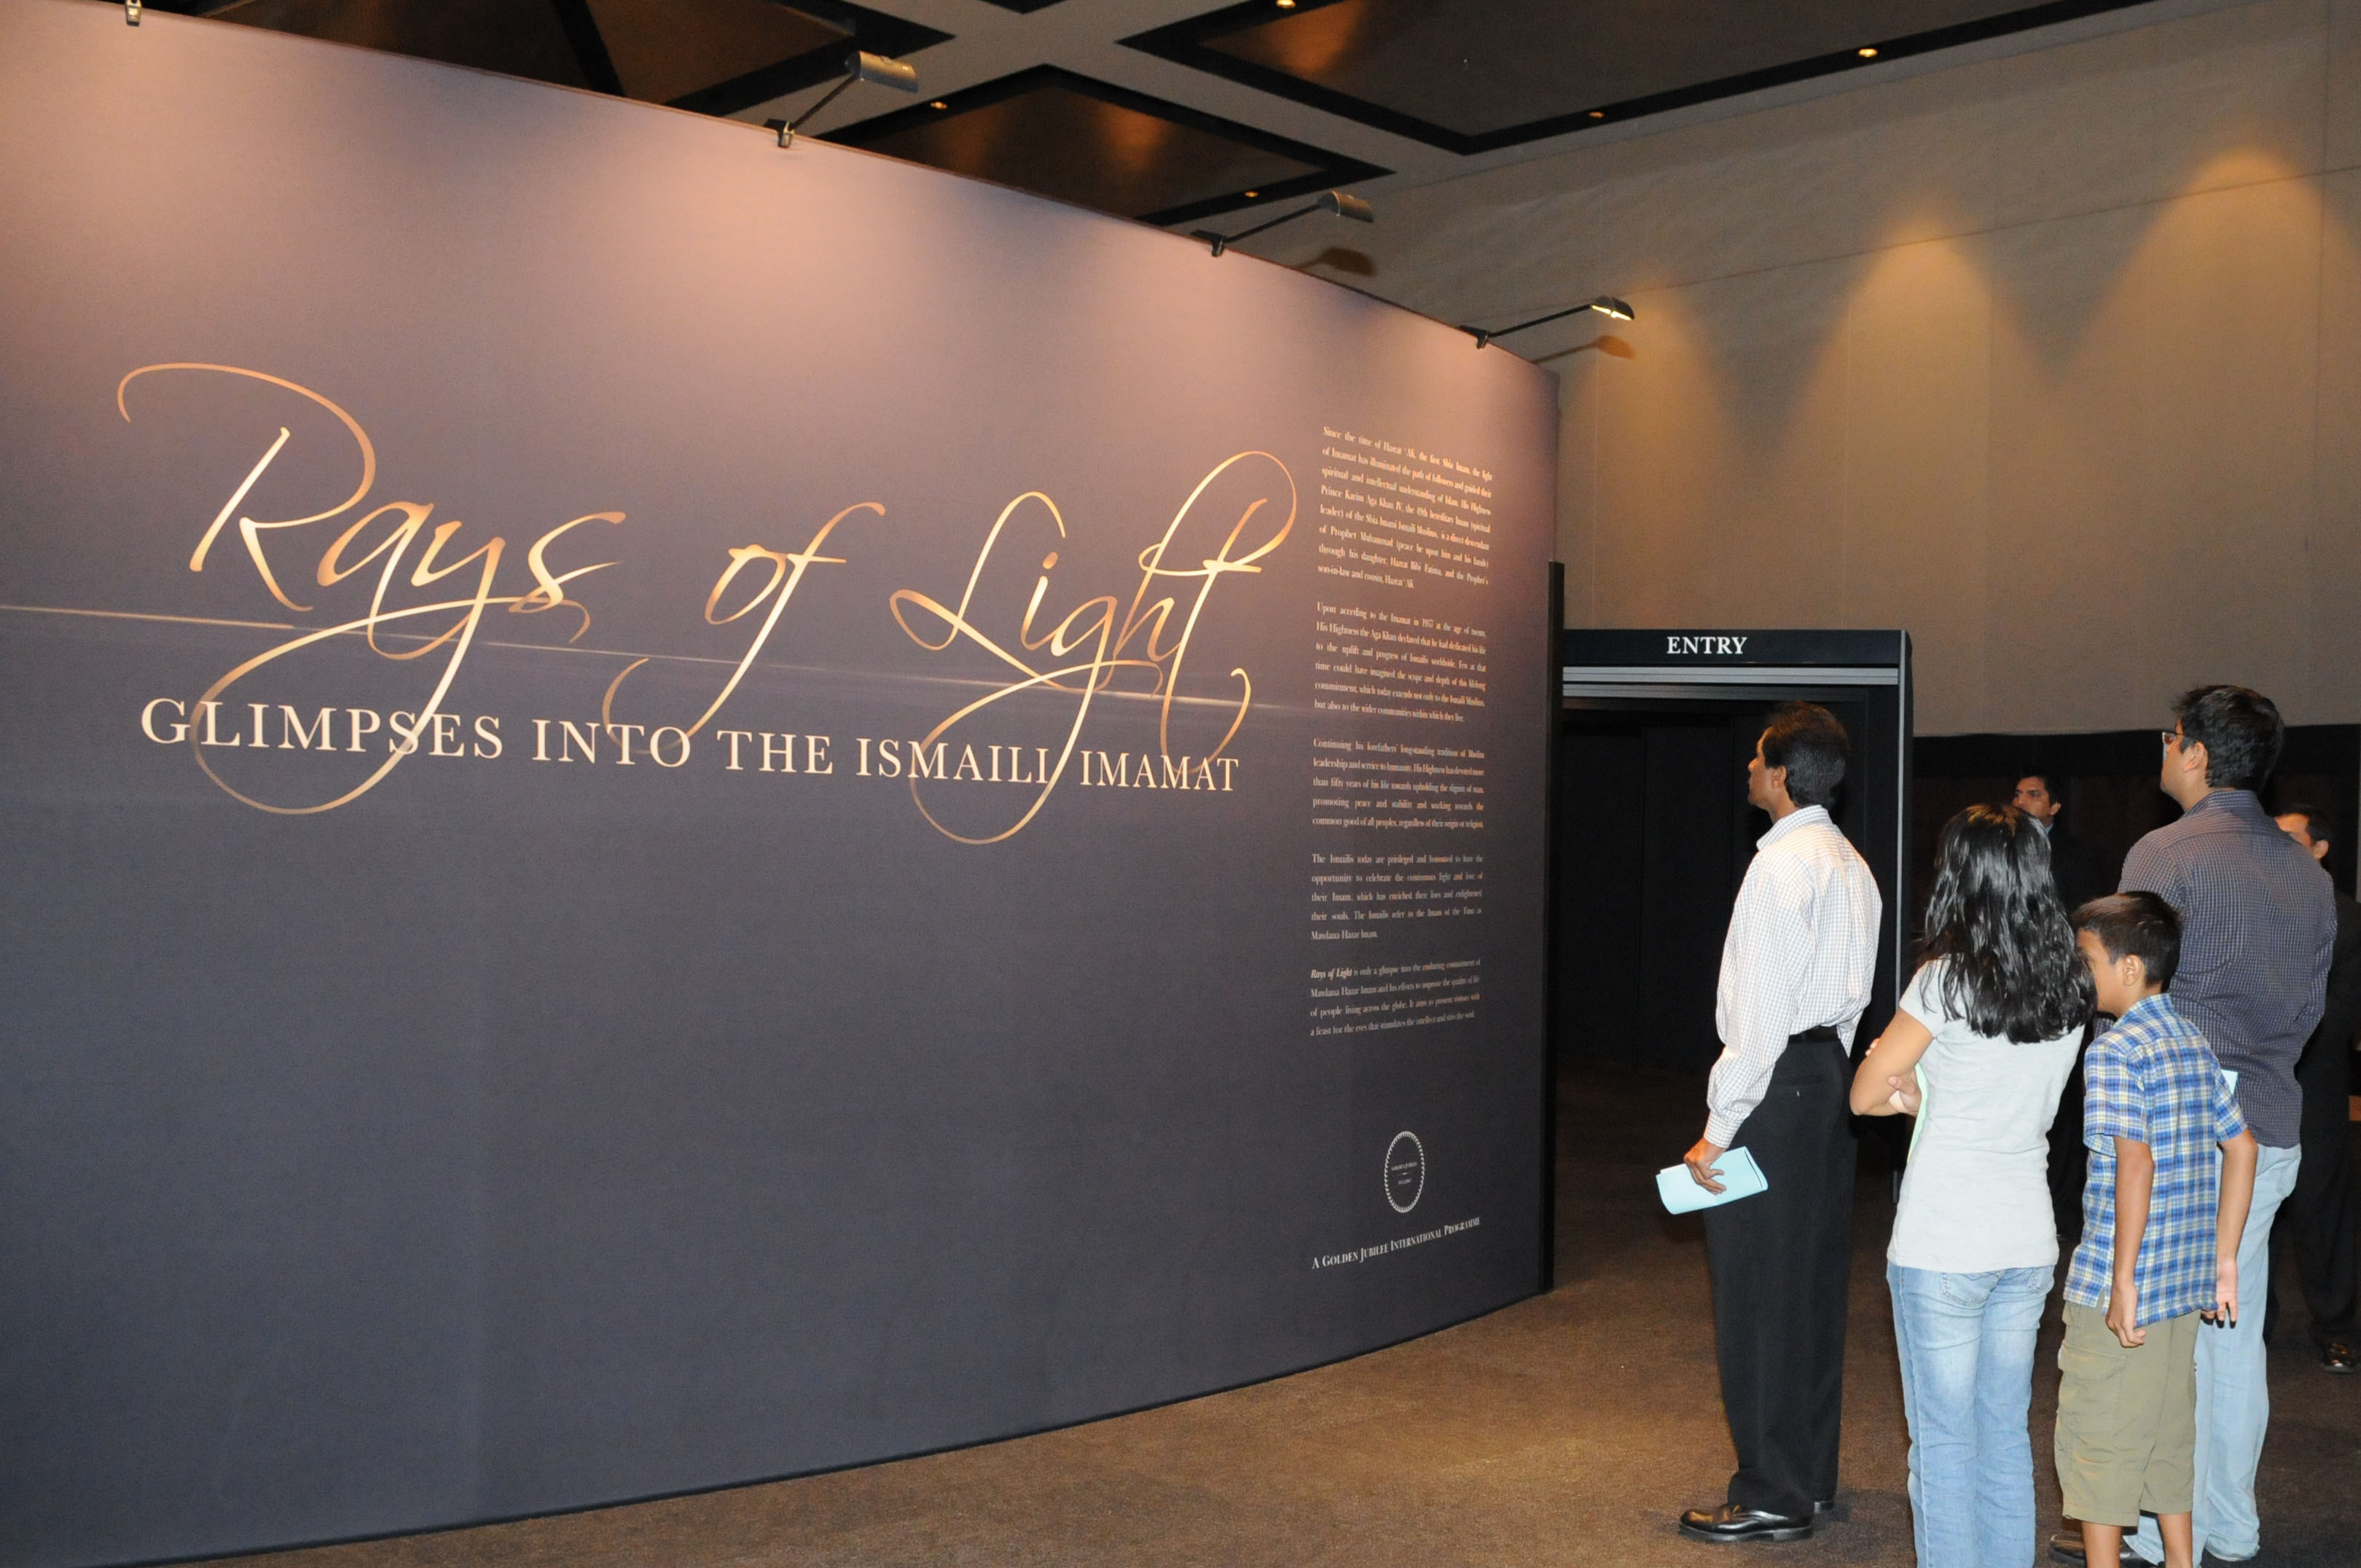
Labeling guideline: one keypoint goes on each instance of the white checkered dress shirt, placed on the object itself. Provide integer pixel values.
(1801, 948)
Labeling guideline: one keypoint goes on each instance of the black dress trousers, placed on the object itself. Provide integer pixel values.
(2318, 1216)
(1781, 1263)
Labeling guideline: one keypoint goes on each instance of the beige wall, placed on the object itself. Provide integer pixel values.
(2054, 359)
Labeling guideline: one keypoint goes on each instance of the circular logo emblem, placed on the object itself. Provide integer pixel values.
(1405, 1172)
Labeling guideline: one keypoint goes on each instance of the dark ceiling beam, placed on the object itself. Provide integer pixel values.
(589, 49)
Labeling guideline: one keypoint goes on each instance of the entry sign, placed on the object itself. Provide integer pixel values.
(1624, 648)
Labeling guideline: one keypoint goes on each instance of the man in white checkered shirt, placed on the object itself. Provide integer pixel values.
(1795, 971)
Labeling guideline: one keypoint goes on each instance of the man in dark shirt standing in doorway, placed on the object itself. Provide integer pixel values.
(2077, 867)
(2081, 875)
(2258, 922)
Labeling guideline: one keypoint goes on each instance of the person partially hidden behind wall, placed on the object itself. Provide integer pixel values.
(2081, 873)
(1795, 980)
(2257, 922)
(2078, 867)
(2317, 1220)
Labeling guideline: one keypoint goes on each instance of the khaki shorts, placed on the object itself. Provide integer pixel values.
(2126, 1419)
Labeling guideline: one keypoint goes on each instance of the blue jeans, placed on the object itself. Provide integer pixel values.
(2233, 1392)
(1966, 1342)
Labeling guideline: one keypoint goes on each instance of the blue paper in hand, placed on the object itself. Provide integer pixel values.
(1736, 1171)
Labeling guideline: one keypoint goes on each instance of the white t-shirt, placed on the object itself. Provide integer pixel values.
(1975, 1195)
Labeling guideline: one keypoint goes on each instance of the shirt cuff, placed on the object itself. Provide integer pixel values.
(1720, 1130)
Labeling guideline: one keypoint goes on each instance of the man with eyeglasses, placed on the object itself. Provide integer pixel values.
(2258, 925)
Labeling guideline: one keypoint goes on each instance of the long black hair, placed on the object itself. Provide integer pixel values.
(2014, 970)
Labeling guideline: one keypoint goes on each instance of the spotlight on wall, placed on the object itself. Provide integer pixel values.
(131, 12)
(1336, 202)
(859, 66)
(1606, 305)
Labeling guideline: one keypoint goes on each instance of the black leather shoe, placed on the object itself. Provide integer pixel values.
(2339, 1358)
(1825, 1511)
(1730, 1522)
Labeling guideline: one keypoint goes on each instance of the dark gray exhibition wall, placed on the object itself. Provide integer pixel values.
(629, 1079)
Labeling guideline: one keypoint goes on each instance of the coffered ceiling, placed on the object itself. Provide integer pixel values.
(1178, 110)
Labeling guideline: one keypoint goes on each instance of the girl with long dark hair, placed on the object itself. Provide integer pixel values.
(1978, 1051)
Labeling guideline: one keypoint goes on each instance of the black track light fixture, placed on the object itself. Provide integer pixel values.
(1336, 202)
(1606, 305)
(859, 66)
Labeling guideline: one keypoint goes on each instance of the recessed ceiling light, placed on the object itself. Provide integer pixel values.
(1286, 5)
(1866, 53)
(1252, 195)
(939, 103)
(1598, 114)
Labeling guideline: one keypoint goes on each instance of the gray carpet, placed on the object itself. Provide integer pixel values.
(1568, 1430)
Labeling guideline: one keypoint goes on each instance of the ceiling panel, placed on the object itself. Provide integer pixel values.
(516, 38)
(1057, 134)
(1421, 86)
(1472, 76)
(664, 49)
(714, 56)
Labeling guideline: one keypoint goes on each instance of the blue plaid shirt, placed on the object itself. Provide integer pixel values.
(2153, 1077)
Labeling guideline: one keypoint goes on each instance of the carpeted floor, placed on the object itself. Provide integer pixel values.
(1568, 1430)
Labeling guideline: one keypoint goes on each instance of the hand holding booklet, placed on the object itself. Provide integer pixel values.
(1736, 1171)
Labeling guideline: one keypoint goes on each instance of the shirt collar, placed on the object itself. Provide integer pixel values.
(1801, 816)
(2151, 1010)
(2238, 801)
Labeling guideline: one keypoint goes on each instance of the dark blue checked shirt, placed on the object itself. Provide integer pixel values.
(2151, 1078)
(2257, 922)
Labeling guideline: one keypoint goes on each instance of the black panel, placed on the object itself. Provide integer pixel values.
(2108, 781)
(1655, 835)
(1594, 957)
(1693, 742)
(1473, 75)
(1065, 135)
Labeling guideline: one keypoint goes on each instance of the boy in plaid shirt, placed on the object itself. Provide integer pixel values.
(2159, 1252)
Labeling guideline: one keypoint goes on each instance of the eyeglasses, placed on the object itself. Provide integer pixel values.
(2171, 737)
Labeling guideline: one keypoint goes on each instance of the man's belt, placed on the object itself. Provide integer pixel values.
(1822, 1034)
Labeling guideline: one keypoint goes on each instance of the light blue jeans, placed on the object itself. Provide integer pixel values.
(2233, 1392)
(1966, 1342)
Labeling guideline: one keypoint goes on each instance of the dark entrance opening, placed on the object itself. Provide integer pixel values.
(1657, 836)
(1653, 834)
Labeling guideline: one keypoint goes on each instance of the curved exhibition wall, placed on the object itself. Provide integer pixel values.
(680, 812)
